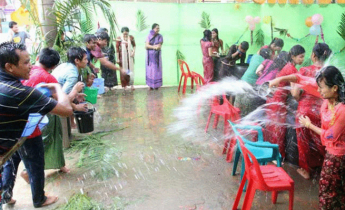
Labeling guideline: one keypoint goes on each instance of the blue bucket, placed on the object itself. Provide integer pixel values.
(99, 83)
(33, 122)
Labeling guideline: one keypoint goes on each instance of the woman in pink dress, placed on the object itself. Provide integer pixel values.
(207, 61)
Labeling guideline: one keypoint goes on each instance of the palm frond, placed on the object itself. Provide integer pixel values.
(141, 21)
(180, 56)
(341, 26)
(205, 21)
(260, 38)
(97, 155)
(80, 201)
(282, 31)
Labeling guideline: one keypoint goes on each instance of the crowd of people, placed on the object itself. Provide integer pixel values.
(43, 149)
(319, 122)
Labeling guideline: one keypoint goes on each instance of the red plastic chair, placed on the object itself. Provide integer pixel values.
(198, 79)
(185, 74)
(265, 178)
(228, 112)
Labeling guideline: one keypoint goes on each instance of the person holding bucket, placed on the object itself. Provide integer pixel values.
(67, 74)
(17, 102)
(125, 52)
(47, 60)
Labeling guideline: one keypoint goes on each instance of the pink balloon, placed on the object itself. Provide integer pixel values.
(317, 19)
(257, 19)
(249, 19)
(252, 27)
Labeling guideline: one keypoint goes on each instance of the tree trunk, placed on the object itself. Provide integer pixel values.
(48, 20)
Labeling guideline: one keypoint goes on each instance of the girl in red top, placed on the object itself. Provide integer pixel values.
(217, 43)
(310, 150)
(330, 84)
(276, 109)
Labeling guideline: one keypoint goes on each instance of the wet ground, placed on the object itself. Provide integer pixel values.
(154, 169)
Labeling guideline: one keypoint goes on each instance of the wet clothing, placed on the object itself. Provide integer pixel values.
(267, 76)
(32, 154)
(67, 75)
(217, 44)
(17, 102)
(207, 61)
(154, 75)
(125, 79)
(310, 149)
(37, 76)
(276, 111)
(232, 61)
(109, 75)
(250, 75)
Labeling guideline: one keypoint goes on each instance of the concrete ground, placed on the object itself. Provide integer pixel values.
(157, 169)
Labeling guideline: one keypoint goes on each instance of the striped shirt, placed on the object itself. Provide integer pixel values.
(16, 103)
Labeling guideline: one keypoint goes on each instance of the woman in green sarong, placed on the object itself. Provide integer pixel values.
(53, 149)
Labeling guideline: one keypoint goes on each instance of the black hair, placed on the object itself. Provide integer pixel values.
(216, 30)
(296, 50)
(103, 36)
(124, 29)
(8, 53)
(49, 57)
(332, 76)
(89, 37)
(154, 25)
(265, 53)
(75, 53)
(207, 36)
(278, 42)
(12, 23)
(244, 45)
(279, 62)
(100, 30)
(322, 51)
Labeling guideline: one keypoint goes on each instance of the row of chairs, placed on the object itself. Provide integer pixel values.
(255, 154)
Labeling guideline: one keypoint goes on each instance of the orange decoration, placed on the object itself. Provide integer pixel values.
(240, 0)
(325, 1)
(282, 1)
(271, 1)
(308, 1)
(293, 1)
(259, 1)
(341, 1)
(308, 22)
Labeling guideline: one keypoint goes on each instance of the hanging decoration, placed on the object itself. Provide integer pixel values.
(314, 30)
(294, 1)
(271, 1)
(282, 1)
(259, 1)
(324, 2)
(308, 1)
(308, 22)
(251, 22)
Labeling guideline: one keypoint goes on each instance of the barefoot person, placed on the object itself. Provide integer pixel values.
(17, 102)
(331, 86)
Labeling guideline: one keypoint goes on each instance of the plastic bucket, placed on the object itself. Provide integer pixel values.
(34, 120)
(84, 120)
(99, 83)
(91, 94)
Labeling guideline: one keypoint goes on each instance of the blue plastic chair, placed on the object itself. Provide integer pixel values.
(263, 151)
